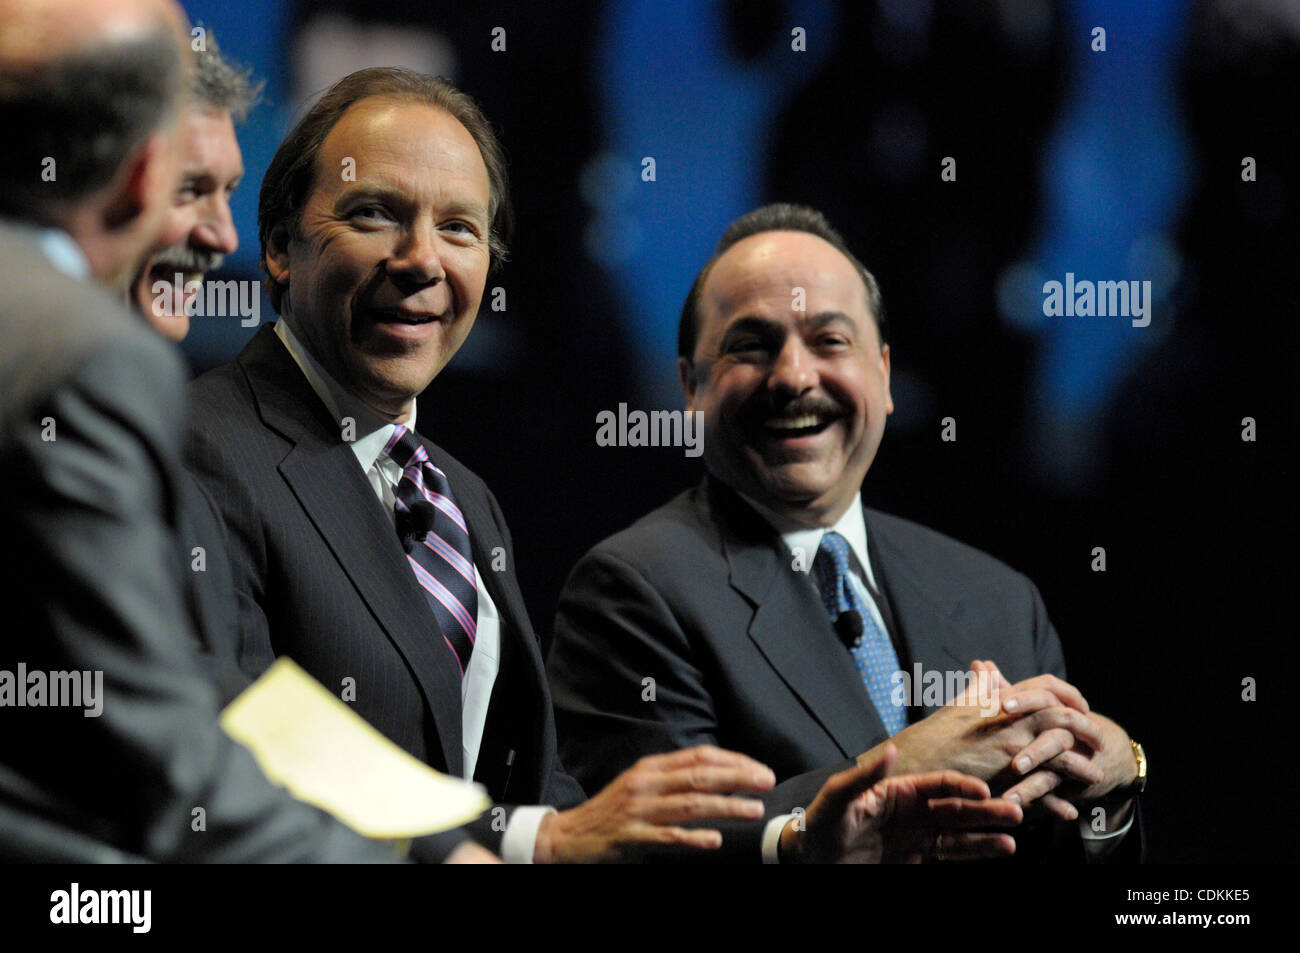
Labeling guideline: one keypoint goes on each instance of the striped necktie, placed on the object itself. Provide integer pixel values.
(873, 654)
(441, 558)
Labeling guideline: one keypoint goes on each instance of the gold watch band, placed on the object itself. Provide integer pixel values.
(1140, 781)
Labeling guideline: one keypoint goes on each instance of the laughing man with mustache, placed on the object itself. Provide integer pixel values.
(199, 231)
(772, 609)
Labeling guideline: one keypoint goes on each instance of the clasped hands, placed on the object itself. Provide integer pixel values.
(1037, 743)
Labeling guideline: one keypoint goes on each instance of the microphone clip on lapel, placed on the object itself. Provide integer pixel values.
(849, 627)
(415, 524)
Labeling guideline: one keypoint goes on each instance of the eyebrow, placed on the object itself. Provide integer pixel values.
(402, 199)
(357, 193)
(750, 324)
(823, 318)
(756, 323)
(201, 176)
(467, 209)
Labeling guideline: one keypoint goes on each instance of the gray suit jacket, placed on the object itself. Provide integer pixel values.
(93, 410)
(701, 597)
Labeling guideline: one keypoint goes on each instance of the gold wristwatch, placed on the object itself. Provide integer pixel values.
(1139, 782)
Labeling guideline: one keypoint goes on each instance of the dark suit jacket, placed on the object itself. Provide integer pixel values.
(700, 596)
(321, 577)
(210, 589)
(94, 581)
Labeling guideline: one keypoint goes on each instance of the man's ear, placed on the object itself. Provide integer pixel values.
(686, 373)
(277, 255)
(884, 370)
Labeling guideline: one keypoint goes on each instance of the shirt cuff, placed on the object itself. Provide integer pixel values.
(1098, 845)
(520, 840)
(772, 838)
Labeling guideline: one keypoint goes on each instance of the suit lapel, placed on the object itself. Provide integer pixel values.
(322, 472)
(520, 705)
(809, 658)
(926, 610)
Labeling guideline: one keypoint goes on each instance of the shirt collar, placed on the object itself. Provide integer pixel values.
(59, 247)
(852, 526)
(372, 431)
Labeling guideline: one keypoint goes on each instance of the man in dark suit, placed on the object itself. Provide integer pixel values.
(112, 749)
(769, 612)
(379, 562)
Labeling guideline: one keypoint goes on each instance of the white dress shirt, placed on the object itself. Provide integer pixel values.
(59, 247)
(802, 540)
(372, 435)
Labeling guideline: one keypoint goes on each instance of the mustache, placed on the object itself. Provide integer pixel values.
(765, 406)
(185, 259)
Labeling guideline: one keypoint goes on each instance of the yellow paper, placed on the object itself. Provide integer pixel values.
(325, 754)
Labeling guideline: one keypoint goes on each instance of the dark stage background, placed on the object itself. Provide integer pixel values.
(1072, 433)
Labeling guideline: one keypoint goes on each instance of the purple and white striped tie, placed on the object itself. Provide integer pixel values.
(442, 561)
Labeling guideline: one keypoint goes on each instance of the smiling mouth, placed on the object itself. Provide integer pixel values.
(173, 302)
(398, 316)
(168, 273)
(800, 425)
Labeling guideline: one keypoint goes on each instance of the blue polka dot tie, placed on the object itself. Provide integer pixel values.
(872, 653)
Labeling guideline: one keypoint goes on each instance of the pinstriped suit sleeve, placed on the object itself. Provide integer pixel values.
(206, 460)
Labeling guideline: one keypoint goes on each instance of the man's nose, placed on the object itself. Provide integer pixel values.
(216, 227)
(417, 258)
(793, 369)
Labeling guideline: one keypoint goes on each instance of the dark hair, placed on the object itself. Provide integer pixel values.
(778, 217)
(86, 110)
(218, 83)
(292, 171)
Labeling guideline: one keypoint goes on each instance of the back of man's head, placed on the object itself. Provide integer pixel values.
(83, 88)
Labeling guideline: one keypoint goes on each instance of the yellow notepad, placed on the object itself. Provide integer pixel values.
(325, 754)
